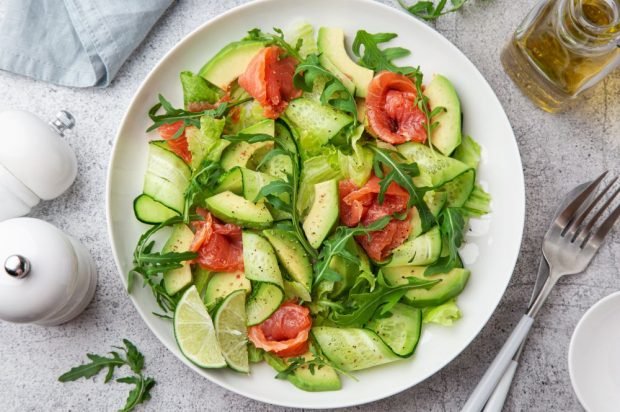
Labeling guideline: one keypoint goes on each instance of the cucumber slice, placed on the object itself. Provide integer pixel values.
(179, 241)
(245, 154)
(259, 260)
(167, 176)
(223, 284)
(401, 330)
(423, 250)
(452, 284)
(459, 188)
(150, 211)
(266, 298)
(353, 349)
(314, 122)
(435, 169)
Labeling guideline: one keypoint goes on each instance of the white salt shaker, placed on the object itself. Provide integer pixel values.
(35, 163)
(46, 277)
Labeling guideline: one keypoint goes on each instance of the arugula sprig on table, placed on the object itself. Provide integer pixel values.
(428, 10)
(149, 265)
(125, 356)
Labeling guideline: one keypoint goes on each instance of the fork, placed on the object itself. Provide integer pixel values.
(568, 246)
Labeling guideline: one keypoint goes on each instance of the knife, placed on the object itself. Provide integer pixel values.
(498, 397)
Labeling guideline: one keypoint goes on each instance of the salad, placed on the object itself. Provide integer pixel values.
(306, 209)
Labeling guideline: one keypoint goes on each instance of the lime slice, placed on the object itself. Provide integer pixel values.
(195, 333)
(232, 332)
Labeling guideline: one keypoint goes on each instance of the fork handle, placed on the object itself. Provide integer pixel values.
(498, 398)
(494, 373)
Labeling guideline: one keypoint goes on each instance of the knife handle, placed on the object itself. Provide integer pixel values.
(494, 373)
(498, 398)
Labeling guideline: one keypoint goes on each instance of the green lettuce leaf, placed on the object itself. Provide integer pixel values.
(445, 314)
(198, 89)
(205, 143)
(478, 203)
(315, 170)
(468, 152)
(302, 32)
(356, 166)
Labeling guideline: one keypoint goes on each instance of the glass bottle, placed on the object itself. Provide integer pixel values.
(562, 48)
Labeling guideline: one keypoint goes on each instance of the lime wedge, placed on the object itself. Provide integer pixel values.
(231, 331)
(195, 333)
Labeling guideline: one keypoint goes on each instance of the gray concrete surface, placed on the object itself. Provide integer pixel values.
(558, 152)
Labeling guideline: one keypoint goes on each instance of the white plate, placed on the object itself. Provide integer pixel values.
(594, 356)
(493, 244)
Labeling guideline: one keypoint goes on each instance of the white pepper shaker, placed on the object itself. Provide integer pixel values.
(46, 277)
(35, 163)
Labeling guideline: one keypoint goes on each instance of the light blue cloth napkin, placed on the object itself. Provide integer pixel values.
(78, 43)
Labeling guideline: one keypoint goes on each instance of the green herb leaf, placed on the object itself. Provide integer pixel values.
(428, 11)
(150, 265)
(277, 40)
(334, 93)
(173, 115)
(452, 228)
(203, 180)
(133, 359)
(336, 246)
(360, 307)
(376, 59)
(389, 170)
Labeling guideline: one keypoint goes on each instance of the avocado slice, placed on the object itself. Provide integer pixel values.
(291, 255)
(180, 240)
(223, 284)
(242, 153)
(423, 250)
(323, 214)
(320, 379)
(447, 135)
(331, 46)
(232, 208)
(452, 283)
(230, 62)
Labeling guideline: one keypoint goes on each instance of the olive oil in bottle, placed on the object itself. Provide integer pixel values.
(562, 48)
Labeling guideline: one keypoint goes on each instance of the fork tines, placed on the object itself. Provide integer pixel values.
(588, 218)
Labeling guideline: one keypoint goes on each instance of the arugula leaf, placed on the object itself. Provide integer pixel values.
(203, 180)
(452, 227)
(428, 11)
(390, 171)
(173, 115)
(336, 246)
(149, 264)
(360, 307)
(133, 359)
(376, 59)
(277, 40)
(334, 93)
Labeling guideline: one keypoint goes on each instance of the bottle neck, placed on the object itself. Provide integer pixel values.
(589, 26)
